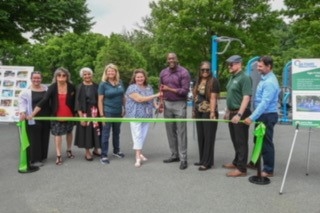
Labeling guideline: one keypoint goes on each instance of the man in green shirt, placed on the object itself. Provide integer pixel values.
(239, 90)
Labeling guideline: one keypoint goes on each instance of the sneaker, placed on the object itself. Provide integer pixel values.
(104, 160)
(118, 155)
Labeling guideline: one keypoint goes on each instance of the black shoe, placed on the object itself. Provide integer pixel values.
(170, 160)
(183, 165)
(197, 164)
(204, 168)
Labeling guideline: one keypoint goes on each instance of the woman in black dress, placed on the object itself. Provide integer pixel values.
(87, 133)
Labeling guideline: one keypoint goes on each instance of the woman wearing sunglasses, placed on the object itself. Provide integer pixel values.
(206, 92)
(61, 97)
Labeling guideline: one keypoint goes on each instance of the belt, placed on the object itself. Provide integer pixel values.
(234, 111)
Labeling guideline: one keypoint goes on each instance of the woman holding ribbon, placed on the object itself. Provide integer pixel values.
(87, 134)
(38, 131)
(206, 92)
(139, 104)
(61, 96)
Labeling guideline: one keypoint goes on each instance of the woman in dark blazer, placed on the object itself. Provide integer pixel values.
(61, 96)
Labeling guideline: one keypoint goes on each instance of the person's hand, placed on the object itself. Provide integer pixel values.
(22, 116)
(165, 87)
(212, 115)
(83, 123)
(29, 117)
(235, 119)
(247, 121)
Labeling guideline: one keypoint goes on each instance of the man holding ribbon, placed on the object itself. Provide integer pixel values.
(175, 81)
(266, 110)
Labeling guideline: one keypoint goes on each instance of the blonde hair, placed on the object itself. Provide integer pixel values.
(105, 77)
(60, 70)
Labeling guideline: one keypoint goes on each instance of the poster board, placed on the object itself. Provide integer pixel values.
(13, 79)
(306, 92)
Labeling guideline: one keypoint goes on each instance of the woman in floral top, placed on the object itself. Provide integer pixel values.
(139, 104)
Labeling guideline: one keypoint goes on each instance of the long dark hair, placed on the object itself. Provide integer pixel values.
(209, 82)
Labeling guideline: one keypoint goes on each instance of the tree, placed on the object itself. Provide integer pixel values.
(304, 27)
(186, 27)
(71, 51)
(41, 17)
(119, 52)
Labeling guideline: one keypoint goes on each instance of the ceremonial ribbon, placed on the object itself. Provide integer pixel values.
(24, 144)
(259, 131)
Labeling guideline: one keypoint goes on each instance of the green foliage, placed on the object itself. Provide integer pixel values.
(40, 17)
(71, 51)
(186, 27)
(119, 52)
(154, 82)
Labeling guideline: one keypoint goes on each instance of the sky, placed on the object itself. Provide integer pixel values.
(115, 16)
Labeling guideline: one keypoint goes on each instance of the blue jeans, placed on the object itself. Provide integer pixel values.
(106, 128)
(268, 152)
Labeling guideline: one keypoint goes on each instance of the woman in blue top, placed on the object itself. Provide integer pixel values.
(139, 104)
(111, 104)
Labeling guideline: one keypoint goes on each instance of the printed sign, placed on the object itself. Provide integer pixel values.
(13, 79)
(306, 92)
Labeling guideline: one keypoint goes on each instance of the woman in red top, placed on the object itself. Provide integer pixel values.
(61, 96)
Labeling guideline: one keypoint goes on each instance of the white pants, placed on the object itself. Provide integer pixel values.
(139, 133)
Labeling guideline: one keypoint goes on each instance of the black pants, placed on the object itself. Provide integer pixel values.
(206, 131)
(240, 135)
(39, 135)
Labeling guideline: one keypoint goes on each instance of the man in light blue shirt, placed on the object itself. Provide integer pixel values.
(266, 111)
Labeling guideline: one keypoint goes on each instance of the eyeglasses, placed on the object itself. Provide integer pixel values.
(61, 75)
(232, 64)
(205, 70)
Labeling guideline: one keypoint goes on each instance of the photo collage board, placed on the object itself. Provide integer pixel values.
(13, 79)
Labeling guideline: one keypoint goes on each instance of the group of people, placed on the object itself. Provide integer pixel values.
(110, 99)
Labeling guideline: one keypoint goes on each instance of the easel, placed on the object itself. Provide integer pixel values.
(290, 155)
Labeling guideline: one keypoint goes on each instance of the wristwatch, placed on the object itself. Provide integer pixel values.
(239, 114)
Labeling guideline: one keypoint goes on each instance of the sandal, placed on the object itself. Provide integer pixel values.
(59, 160)
(69, 154)
(138, 163)
(143, 158)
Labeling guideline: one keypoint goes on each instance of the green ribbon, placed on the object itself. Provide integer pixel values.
(145, 120)
(24, 144)
(259, 132)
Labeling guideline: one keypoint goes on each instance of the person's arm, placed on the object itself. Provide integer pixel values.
(100, 105)
(244, 104)
(213, 104)
(23, 105)
(139, 98)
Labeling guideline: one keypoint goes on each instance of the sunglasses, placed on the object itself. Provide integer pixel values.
(61, 75)
(205, 70)
(232, 64)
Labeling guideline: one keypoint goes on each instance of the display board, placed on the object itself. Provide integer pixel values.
(13, 79)
(306, 92)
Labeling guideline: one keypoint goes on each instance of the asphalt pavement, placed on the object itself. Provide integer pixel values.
(82, 186)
